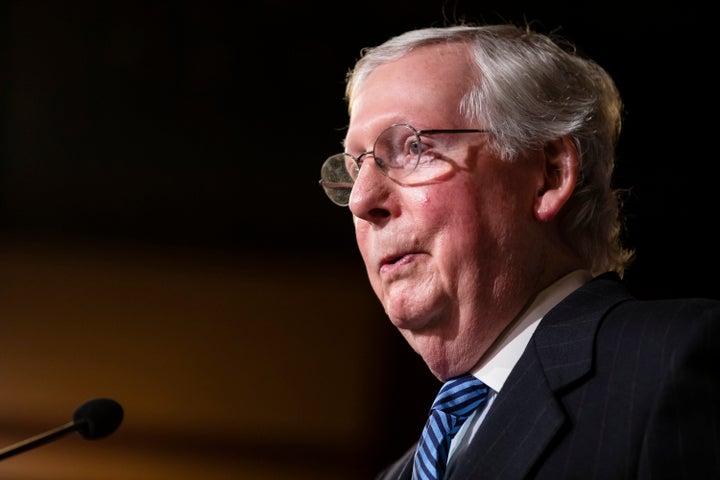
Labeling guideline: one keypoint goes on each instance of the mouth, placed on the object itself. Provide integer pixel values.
(395, 260)
(391, 259)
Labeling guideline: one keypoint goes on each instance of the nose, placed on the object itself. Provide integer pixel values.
(371, 193)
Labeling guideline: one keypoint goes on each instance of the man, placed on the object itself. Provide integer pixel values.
(477, 168)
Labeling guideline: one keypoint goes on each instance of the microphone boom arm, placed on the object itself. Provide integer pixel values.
(38, 440)
(97, 418)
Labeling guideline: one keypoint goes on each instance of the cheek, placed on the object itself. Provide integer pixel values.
(430, 207)
(361, 237)
(458, 206)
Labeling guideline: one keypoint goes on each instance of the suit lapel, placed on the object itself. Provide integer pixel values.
(521, 422)
(401, 469)
(526, 414)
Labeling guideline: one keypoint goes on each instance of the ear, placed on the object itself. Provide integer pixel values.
(560, 167)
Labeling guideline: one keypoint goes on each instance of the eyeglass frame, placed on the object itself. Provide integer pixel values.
(359, 159)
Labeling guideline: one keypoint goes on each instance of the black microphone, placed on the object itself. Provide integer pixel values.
(94, 419)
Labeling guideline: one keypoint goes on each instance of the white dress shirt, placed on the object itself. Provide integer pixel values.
(496, 364)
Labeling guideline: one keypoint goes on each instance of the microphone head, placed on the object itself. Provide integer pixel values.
(98, 418)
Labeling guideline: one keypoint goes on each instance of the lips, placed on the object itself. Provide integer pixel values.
(391, 259)
(392, 262)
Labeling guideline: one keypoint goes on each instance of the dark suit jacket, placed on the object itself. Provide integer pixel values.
(609, 387)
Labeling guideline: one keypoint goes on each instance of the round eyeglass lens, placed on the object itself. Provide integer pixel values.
(397, 150)
(337, 178)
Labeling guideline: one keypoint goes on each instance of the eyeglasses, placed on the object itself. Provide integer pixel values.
(402, 153)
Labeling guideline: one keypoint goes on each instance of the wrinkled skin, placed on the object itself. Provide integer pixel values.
(453, 262)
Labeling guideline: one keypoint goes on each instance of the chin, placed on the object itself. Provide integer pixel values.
(410, 316)
(441, 369)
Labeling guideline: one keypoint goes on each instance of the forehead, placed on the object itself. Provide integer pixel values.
(423, 88)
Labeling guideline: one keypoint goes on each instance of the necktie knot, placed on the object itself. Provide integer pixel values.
(458, 398)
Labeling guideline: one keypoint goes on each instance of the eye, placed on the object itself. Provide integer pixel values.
(424, 152)
(415, 146)
(409, 152)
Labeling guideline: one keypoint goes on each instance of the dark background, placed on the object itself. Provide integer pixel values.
(203, 125)
(205, 122)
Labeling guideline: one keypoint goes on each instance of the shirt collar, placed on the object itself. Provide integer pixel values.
(495, 366)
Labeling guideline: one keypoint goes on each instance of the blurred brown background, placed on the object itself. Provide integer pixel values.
(164, 242)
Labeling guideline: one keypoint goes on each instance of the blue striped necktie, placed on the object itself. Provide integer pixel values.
(457, 400)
